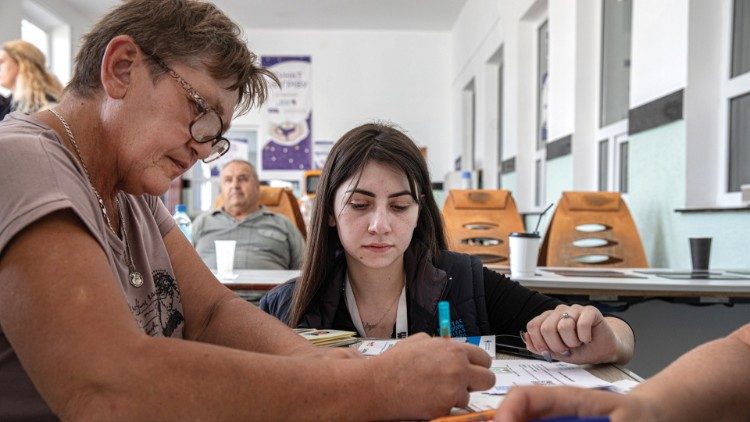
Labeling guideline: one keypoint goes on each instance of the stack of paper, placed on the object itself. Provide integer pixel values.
(329, 338)
(374, 347)
(515, 372)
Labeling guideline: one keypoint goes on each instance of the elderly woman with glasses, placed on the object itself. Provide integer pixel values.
(106, 310)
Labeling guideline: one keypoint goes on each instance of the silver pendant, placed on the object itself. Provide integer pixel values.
(136, 279)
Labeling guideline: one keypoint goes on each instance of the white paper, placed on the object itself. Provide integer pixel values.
(374, 347)
(370, 347)
(514, 372)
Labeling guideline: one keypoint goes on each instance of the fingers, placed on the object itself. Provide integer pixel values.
(480, 379)
(543, 333)
(590, 318)
(563, 329)
(463, 400)
(525, 403)
(476, 355)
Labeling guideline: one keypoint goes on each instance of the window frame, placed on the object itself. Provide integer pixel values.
(617, 132)
(729, 88)
(540, 145)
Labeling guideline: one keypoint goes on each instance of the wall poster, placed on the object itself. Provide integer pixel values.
(286, 117)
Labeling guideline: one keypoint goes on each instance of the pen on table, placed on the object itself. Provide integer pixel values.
(444, 317)
(488, 415)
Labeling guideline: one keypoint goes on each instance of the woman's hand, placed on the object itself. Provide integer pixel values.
(579, 334)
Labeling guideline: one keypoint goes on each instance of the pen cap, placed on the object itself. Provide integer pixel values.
(444, 314)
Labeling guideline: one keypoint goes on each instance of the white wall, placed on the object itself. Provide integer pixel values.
(658, 49)
(562, 67)
(362, 76)
(476, 38)
(11, 13)
(66, 37)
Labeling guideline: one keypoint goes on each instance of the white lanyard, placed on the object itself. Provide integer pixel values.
(402, 320)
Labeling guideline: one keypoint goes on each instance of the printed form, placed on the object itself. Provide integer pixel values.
(516, 372)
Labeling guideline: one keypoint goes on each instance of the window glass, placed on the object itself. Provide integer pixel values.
(615, 68)
(624, 167)
(35, 35)
(739, 142)
(741, 37)
(499, 126)
(603, 164)
(542, 84)
(538, 183)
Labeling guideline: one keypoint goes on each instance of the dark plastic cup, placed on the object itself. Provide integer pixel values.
(700, 252)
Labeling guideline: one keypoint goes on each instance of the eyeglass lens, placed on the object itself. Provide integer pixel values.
(206, 127)
(217, 150)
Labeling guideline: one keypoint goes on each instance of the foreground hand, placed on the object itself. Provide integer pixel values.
(427, 376)
(575, 334)
(527, 403)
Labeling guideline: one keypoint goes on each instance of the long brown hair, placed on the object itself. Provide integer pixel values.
(370, 142)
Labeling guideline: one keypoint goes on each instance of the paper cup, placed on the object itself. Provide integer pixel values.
(225, 256)
(524, 251)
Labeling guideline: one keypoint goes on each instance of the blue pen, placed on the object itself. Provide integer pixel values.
(444, 317)
(574, 419)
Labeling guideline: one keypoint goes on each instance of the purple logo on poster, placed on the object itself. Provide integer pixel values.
(286, 123)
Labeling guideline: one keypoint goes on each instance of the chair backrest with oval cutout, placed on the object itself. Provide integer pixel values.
(478, 221)
(592, 229)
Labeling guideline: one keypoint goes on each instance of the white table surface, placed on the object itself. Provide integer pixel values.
(547, 281)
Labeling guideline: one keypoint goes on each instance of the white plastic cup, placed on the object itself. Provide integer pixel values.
(225, 256)
(524, 252)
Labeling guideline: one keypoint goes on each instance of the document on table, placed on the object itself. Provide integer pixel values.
(374, 347)
(515, 372)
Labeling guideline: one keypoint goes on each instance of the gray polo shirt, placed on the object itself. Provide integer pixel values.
(265, 240)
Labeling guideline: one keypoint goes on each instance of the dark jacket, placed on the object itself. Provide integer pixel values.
(4, 107)
(458, 278)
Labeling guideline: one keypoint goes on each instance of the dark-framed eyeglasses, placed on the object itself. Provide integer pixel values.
(207, 126)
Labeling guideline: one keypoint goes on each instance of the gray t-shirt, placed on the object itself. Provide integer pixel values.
(265, 240)
(38, 176)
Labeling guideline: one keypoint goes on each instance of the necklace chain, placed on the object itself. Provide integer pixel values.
(369, 327)
(136, 279)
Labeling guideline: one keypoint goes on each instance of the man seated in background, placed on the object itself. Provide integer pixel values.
(265, 240)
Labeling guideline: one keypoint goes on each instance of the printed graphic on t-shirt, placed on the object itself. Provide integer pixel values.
(159, 312)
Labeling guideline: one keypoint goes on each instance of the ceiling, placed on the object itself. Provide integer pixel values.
(419, 15)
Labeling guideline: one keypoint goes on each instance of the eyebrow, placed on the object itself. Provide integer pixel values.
(368, 193)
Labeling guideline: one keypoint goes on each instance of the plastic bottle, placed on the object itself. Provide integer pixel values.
(183, 221)
(466, 179)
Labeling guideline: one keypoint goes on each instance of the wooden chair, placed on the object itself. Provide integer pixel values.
(310, 180)
(478, 221)
(592, 229)
(278, 200)
(283, 201)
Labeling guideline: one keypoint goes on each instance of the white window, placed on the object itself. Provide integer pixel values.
(542, 115)
(500, 109)
(34, 34)
(738, 99)
(471, 162)
(48, 32)
(613, 177)
(614, 94)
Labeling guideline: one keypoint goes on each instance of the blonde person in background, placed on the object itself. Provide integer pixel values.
(23, 71)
